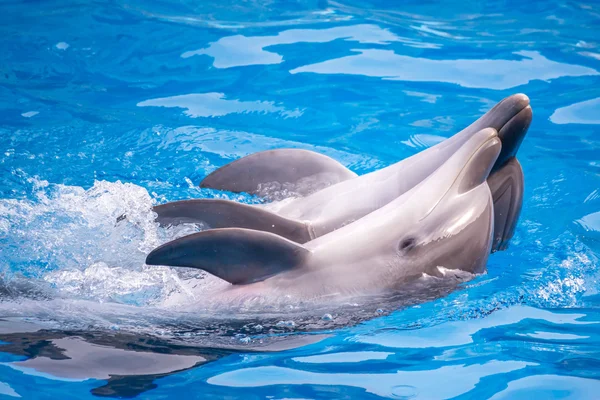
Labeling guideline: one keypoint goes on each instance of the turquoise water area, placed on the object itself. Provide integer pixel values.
(110, 107)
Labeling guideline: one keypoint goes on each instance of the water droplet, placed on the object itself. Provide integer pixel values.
(286, 324)
(327, 317)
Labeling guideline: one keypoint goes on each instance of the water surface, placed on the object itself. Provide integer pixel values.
(108, 108)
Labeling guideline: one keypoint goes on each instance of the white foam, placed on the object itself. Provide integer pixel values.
(69, 237)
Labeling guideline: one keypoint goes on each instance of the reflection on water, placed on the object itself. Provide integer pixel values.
(236, 51)
(381, 384)
(462, 333)
(231, 145)
(96, 108)
(591, 223)
(129, 363)
(354, 357)
(550, 386)
(585, 112)
(491, 74)
(216, 105)
(122, 364)
(247, 14)
(7, 390)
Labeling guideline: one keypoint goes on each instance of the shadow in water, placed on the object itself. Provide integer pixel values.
(130, 363)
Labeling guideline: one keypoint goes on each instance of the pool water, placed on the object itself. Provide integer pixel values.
(107, 108)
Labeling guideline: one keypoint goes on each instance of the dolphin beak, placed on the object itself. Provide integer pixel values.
(503, 112)
(511, 118)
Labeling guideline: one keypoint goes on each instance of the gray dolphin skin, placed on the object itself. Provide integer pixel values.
(443, 222)
(347, 197)
(304, 169)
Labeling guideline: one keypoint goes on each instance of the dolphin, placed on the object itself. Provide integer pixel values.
(444, 222)
(347, 197)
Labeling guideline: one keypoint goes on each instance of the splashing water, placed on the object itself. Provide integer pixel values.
(67, 242)
(109, 108)
(73, 240)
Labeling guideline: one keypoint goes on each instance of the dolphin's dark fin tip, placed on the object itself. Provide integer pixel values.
(304, 170)
(506, 186)
(238, 256)
(218, 213)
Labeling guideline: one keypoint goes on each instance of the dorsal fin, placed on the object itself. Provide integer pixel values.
(230, 214)
(305, 171)
(506, 186)
(239, 256)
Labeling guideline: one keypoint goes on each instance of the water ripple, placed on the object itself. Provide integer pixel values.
(491, 74)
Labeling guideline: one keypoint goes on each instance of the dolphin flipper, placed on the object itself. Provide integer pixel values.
(239, 256)
(230, 214)
(306, 172)
(506, 185)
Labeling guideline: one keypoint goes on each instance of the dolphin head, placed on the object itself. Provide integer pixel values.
(451, 212)
(444, 221)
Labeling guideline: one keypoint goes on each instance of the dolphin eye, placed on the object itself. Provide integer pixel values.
(407, 244)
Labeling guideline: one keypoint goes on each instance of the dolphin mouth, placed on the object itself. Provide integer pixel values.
(512, 134)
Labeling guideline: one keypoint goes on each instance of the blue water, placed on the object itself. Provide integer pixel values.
(110, 107)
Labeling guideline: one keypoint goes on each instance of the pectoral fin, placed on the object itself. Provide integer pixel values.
(230, 214)
(239, 256)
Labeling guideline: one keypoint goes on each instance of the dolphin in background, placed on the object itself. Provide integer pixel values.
(346, 197)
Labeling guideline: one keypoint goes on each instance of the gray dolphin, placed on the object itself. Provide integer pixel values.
(444, 221)
(347, 197)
